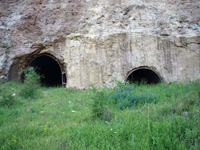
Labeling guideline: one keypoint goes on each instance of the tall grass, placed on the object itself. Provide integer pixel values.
(71, 119)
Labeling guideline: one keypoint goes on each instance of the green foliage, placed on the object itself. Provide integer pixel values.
(3, 79)
(7, 100)
(170, 123)
(100, 108)
(5, 46)
(31, 82)
(7, 95)
(124, 95)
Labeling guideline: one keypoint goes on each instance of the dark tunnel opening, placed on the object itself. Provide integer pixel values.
(49, 70)
(144, 75)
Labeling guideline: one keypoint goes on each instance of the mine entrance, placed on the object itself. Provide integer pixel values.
(145, 75)
(49, 70)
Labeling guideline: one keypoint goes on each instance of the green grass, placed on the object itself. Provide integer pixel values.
(60, 118)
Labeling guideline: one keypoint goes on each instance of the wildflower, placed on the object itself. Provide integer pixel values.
(69, 102)
(111, 129)
(45, 128)
(13, 94)
(115, 132)
(73, 111)
(125, 90)
(8, 141)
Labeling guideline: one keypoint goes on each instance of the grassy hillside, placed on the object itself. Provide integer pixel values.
(126, 117)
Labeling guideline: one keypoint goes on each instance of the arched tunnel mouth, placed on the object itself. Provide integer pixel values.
(49, 70)
(144, 75)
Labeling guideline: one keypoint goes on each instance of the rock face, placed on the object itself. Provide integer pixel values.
(95, 41)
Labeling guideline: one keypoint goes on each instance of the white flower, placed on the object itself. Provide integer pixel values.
(73, 111)
(69, 102)
(115, 132)
(13, 94)
(111, 129)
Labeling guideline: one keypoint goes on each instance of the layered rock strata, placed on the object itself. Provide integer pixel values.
(96, 41)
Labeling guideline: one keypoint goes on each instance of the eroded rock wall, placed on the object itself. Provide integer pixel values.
(99, 40)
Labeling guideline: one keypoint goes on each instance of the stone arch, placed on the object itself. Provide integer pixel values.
(146, 74)
(49, 68)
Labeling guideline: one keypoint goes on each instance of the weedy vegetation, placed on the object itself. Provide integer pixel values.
(3, 45)
(128, 116)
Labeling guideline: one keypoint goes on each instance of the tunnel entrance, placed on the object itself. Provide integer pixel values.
(49, 70)
(145, 75)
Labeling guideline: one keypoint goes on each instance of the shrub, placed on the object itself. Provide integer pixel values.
(197, 88)
(191, 97)
(100, 108)
(7, 100)
(31, 82)
(124, 95)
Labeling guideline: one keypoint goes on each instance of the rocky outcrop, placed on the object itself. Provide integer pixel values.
(98, 40)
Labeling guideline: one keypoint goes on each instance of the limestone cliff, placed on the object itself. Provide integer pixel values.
(96, 41)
